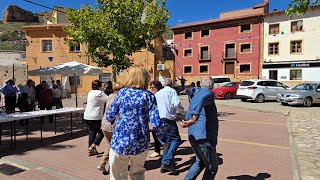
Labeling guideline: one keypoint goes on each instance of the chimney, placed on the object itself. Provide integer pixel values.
(266, 7)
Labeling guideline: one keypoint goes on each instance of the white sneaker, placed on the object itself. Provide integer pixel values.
(154, 155)
(102, 169)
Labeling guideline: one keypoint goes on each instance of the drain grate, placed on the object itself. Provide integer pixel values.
(10, 170)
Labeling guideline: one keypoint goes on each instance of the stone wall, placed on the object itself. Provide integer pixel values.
(20, 74)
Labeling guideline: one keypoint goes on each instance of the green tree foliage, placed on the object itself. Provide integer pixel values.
(117, 28)
(299, 7)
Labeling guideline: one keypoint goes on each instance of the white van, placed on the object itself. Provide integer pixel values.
(220, 80)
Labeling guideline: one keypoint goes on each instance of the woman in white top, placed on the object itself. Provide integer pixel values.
(93, 116)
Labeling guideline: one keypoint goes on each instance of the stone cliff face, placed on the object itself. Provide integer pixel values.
(16, 14)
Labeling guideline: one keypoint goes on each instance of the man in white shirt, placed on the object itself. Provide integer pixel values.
(168, 104)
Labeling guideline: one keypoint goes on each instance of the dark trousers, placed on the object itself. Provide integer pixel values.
(47, 107)
(206, 158)
(57, 102)
(10, 103)
(95, 132)
(157, 144)
(26, 108)
(60, 103)
(173, 140)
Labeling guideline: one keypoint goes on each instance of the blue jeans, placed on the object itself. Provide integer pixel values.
(172, 139)
(206, 158)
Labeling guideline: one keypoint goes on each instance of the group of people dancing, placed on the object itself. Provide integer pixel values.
(123, 118)
(29, 97)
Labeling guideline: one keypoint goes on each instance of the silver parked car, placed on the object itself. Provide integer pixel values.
(304, 94)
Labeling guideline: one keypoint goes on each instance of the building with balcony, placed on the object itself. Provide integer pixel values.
(291, 47)
(230, 45)
(47, 46)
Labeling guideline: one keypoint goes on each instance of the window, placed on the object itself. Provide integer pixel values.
(46, 45)
(187, 69)
(221, 80)
(296, 47)
(245, 48)
(188, 35)
(74, 46)
(296, 26)
(204, 53)
(204, 69)
(296, 74)
(273, 48)
(245, 28)
(187, 53)
(274, 29)
(267, 83)
(247, 83)
(205, 33)
(245, 68)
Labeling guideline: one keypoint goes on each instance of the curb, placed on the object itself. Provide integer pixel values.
(294, 164)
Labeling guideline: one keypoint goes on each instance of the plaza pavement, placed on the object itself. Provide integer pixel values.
(304, 134)
(252, 145)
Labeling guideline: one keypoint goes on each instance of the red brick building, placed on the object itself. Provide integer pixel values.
(230, 45)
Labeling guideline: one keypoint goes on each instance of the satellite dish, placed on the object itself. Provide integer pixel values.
(300, 23)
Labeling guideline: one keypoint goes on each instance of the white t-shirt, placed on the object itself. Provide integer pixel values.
(56, 93)
(168, 103)
(95, 105)
(30, 91)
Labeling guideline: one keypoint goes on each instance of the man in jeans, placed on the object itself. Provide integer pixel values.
(168, 104)
(202, 123)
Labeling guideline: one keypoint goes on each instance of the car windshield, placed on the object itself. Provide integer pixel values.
(230, 84)
(221, 80)
(308, 87)
(247, 83)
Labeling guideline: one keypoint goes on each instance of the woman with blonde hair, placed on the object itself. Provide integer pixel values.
(107, 129)
(135, 107)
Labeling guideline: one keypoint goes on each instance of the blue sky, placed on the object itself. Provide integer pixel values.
(182, 11)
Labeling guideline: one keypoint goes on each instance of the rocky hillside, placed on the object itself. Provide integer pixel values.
(16, 14)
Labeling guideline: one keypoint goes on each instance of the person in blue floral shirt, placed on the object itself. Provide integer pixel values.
(135, 107)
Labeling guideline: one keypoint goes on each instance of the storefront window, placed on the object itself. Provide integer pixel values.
(296, 74)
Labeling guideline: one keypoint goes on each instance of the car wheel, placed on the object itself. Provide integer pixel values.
(228, 95)
(307, 102)
(284, 104)
(259, 98)
(244, 99)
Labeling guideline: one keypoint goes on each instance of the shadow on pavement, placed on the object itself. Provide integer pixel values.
(186, 165)
(23, 145)
(260, 176)
(225, 114)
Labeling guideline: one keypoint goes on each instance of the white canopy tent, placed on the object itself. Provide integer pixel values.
(67, 69)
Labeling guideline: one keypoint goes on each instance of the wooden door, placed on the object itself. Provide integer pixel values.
(229, 67)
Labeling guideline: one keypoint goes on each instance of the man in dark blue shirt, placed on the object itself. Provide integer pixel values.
(202, 123)
(10, 95)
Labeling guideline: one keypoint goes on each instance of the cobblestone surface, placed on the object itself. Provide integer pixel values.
(304, 134)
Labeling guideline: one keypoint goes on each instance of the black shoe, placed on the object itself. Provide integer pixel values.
(167, 168)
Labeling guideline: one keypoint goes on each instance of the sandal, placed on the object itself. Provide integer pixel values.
(93, 152)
